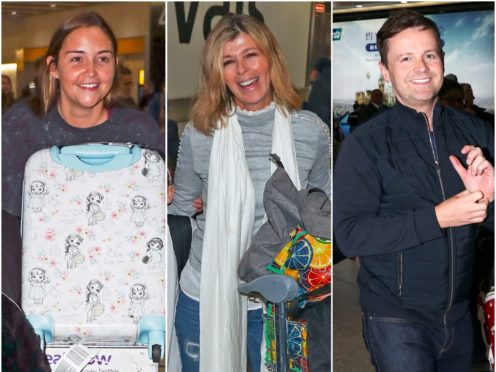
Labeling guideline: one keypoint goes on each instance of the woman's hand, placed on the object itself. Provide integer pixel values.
(198, 205)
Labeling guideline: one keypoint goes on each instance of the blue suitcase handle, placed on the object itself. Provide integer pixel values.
(96, 157)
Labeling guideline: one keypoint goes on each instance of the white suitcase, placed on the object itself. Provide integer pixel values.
(93, 230)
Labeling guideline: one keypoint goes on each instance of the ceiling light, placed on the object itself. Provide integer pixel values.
(53, 5)
(9, 68)
(14, 12)
(359, 6)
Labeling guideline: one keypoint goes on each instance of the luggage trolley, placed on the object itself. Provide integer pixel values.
(293, 276)
(277, 291)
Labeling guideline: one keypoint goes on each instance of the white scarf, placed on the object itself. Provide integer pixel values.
(228, 232)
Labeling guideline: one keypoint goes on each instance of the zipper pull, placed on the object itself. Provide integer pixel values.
(438, 166)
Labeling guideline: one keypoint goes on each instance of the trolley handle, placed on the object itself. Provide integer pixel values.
(97, 149)
(273, 288)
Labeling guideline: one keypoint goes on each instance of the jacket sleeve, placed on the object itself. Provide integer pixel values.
(187, 183)
(358, 227)
(320, 174)
(489, 153)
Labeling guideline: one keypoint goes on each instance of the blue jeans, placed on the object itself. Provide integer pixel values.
(188, 334)
(401, 345)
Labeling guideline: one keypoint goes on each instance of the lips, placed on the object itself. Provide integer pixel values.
(247, 83)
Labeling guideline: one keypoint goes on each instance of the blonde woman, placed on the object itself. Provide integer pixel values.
(246, 108)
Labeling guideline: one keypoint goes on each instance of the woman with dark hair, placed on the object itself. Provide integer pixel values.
(246, 108)
(76, 80)
(7, 93)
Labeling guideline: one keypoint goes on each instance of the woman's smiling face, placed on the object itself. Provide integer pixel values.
(246, 73)
(85, 68)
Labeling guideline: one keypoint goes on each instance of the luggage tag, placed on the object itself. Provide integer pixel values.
(75, 359)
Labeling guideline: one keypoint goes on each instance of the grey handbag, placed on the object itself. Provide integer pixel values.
(286, 208)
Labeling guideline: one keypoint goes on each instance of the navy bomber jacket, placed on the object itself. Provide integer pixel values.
(386, 186)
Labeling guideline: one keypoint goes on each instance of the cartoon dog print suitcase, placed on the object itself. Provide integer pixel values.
(93, 230)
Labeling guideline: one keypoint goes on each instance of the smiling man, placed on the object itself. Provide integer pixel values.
(410, 186)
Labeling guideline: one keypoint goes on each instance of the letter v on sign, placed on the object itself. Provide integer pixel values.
(185, 26)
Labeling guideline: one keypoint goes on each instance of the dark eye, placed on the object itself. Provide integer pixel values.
(76, 59)
(104, 59)
(431, 56)
(405, 59)
(228, 62)
(252, 54)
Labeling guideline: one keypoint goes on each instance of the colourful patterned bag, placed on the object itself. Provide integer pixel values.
(307, 259)
(296, 332)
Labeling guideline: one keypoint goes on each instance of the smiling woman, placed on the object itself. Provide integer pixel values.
(80, 67)
(246, 72)
(76, 80)
(246, 100)
(241, 61)
(85, 69)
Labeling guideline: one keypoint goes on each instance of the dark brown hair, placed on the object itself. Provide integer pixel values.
(50, 86)
(401, 20)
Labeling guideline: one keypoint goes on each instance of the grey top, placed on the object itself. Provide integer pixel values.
(312, 144)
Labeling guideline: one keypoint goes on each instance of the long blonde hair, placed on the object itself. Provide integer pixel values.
(214, 101)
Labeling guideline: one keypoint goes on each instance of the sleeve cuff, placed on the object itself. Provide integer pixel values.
(426, 225)
(489, 222)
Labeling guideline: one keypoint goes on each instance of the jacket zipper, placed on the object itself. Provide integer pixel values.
(432, 140)
(400, 273)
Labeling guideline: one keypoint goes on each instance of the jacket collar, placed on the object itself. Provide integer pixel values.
(412, 120)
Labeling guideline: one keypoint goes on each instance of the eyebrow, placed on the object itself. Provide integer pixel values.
(425, 51)
(82, 51)
(244, 51)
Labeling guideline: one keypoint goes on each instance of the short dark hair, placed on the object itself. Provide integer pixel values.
(401, 20)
